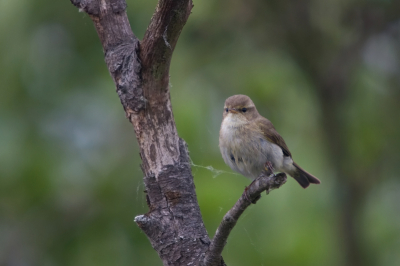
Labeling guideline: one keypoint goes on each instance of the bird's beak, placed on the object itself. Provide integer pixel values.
(233, 110)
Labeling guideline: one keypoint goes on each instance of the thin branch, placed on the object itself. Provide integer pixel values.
(265, 182)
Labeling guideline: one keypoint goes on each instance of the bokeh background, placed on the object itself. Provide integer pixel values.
(326, 73)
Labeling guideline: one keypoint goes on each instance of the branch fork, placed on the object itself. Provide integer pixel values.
(140, 70)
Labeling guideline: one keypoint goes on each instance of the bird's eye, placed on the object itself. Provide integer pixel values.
(244, 110)
(226, 109)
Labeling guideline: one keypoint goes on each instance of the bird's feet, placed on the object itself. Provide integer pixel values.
(269, 167)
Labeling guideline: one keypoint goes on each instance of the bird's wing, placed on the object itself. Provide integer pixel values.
(272, 135)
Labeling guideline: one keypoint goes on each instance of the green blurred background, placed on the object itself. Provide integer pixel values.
(326, 73)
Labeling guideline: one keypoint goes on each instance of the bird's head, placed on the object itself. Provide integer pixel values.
(240, 107)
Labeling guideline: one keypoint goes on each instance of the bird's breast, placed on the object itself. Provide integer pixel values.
(246, 150)
(243, 147)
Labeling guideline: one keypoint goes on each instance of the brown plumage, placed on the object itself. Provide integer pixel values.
(248, 141)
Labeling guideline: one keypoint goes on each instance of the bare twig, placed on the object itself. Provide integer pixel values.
(265, 182)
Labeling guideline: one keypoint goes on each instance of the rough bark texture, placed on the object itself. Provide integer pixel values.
(140, 71)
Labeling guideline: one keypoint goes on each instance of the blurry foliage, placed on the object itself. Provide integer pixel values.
(70, 179)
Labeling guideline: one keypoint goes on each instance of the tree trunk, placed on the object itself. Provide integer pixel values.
(140, 71)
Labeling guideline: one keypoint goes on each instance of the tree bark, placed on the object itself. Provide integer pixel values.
(140, 71)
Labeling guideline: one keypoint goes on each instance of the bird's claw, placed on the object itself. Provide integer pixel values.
(269, 167)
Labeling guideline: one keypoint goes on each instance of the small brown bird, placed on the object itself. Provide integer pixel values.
(249, 142)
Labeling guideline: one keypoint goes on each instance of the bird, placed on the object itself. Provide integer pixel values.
(249, 143)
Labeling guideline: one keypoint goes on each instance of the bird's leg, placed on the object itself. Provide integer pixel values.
(269, 167)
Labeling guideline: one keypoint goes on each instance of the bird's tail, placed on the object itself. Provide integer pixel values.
(303, 178)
